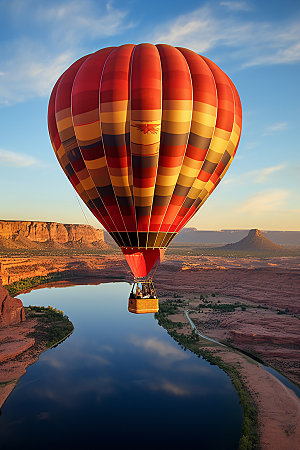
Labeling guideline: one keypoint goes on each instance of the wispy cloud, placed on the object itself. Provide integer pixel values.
(250, 145)
(31, 72)
(84, 20)
(259, 176)
(274, 128)
(256, 176)
(250, 41)
(30, 67)
(271, 200)
(196, 30)
(8, 158)
(237, 6)
(283, 50)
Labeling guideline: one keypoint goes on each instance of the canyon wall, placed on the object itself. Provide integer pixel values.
(26, 234)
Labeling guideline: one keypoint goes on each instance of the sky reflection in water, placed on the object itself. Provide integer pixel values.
(118, 382)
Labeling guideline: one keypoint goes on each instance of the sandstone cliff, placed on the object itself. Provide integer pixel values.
(11, 309)
(26, 234)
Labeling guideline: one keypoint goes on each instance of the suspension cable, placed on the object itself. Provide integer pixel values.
(125, 267)
(82, 210)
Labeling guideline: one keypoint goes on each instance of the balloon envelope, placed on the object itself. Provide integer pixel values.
(144, 133)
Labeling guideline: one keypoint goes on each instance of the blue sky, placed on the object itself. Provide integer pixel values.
(257, 43)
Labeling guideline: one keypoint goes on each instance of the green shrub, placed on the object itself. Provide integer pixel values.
(27, 283)
(52, 325)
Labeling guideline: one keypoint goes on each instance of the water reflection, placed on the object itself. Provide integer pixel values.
(119, 380)
(159, 348)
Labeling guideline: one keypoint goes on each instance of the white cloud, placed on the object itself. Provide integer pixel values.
(255, 176)
(261, 175)
(69, 29)
(236, 6)
(250, 41)
(30, 67)
(8, 158)
(267, 201)
(74, 20)
(283, 48)
(250, 145)
(271, 129)
(31, 72)
(228, 181)
(197, 30)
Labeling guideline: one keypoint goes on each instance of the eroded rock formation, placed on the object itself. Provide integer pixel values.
(26, 234)
(11, 309)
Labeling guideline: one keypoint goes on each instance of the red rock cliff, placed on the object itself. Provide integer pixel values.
(11, 309)
(26, 234)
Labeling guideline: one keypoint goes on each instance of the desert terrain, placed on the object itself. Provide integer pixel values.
(266, 324)
(250, 303)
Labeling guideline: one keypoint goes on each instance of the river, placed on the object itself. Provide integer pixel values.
(119, 381)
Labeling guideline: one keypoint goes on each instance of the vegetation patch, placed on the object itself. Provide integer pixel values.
(53, 326)
(165, 310)
(222, 307)
(17, 287)
(249, 439)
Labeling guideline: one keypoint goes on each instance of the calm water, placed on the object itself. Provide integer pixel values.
(119, 381)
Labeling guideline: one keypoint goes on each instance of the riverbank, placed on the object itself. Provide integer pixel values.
(21, 344)
(270, 410)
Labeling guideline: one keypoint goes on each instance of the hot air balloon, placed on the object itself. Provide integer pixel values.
(144, 133)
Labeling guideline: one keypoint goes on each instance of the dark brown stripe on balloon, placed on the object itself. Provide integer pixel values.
(199, 141)
(144, 162)
(173, 139)
(143, 211)
(181, 191)
(161, 201)
(225, 158)
(208, 166)
(188, 202)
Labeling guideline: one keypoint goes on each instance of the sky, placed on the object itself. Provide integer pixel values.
(257, 43)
